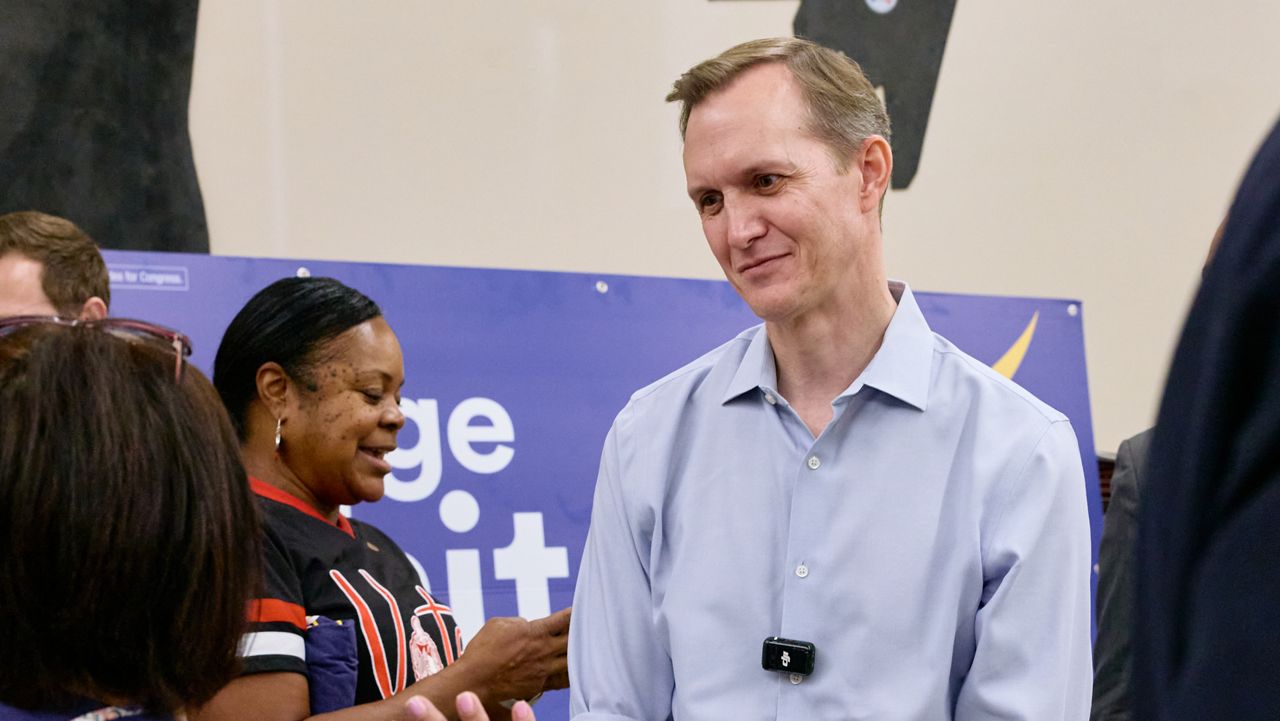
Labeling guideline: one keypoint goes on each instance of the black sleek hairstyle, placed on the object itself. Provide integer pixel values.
(129, 540)
(288, 322)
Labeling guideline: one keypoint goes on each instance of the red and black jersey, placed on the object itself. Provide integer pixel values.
(351, 573)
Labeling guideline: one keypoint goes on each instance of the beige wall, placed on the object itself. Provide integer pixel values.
(1082, 150)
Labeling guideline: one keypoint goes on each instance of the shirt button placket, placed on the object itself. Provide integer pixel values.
(813, 463)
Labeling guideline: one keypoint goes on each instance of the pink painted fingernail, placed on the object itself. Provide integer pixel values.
(417, 705)
(467, 703)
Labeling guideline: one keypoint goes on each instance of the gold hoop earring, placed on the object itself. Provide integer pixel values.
(279, 423)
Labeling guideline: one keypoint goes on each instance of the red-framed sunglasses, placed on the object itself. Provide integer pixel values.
(127, 328)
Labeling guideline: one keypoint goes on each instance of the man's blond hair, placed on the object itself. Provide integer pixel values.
(844, 109)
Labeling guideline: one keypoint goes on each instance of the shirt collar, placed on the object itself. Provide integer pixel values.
(266, 490)
(902, 367)
(756, 369)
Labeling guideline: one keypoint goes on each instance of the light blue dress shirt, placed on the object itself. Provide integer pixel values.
(933, 542)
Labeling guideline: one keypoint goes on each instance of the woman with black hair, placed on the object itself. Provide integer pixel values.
(129, 536)
(311, 375)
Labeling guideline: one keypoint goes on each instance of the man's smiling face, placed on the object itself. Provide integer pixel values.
(779, 215)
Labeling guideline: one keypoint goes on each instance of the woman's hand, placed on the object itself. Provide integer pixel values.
(520, 659)
(510, 658)
(469, 709)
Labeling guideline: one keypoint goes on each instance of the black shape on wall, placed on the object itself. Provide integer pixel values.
(93, 118)
(900, 46)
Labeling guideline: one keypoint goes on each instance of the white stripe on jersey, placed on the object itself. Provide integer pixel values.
(272, 643)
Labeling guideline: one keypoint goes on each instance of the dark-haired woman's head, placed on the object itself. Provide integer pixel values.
(130, 537)
(312, 363)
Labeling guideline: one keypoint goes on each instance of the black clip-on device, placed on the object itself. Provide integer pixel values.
(788, 656)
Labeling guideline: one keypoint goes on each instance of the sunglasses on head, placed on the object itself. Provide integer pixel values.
(129, 329)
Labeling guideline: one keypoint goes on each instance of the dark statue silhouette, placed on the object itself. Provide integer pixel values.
(899, 46)
(94, 94)
(93, 118)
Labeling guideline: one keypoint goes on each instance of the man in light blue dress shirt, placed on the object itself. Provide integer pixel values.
(839, 475)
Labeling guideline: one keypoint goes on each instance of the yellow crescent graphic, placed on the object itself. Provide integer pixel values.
(1012, 358)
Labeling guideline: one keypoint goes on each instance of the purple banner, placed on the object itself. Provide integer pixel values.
(512, 381)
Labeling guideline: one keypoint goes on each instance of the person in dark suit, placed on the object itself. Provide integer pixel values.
(1207, 641)
(1112, 665)
(1113, 649)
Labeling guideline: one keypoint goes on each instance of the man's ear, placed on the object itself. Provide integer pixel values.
(273, 388)
(93, 309)
(875, 162)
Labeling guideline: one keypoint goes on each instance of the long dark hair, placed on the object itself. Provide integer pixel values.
(130, 538)
(288, 322)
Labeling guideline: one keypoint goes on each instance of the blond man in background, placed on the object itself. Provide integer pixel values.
(48, 266)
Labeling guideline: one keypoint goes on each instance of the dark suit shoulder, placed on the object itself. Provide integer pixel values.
(1133, 455)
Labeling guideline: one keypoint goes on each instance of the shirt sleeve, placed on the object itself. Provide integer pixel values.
(274, 639)
(1112, 653)
(1033, 625)
(619, 667)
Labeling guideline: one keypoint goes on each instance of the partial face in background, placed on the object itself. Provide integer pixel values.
(785, 224)
(343, 418)
(20, 287)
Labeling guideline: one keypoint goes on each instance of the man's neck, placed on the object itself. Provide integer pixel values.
(820, 354)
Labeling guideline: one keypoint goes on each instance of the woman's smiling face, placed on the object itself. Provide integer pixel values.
(344, 416)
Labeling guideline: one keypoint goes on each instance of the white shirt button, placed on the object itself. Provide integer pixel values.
(796, 678)
(814, 462)
(802, 570)
(768, 398)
